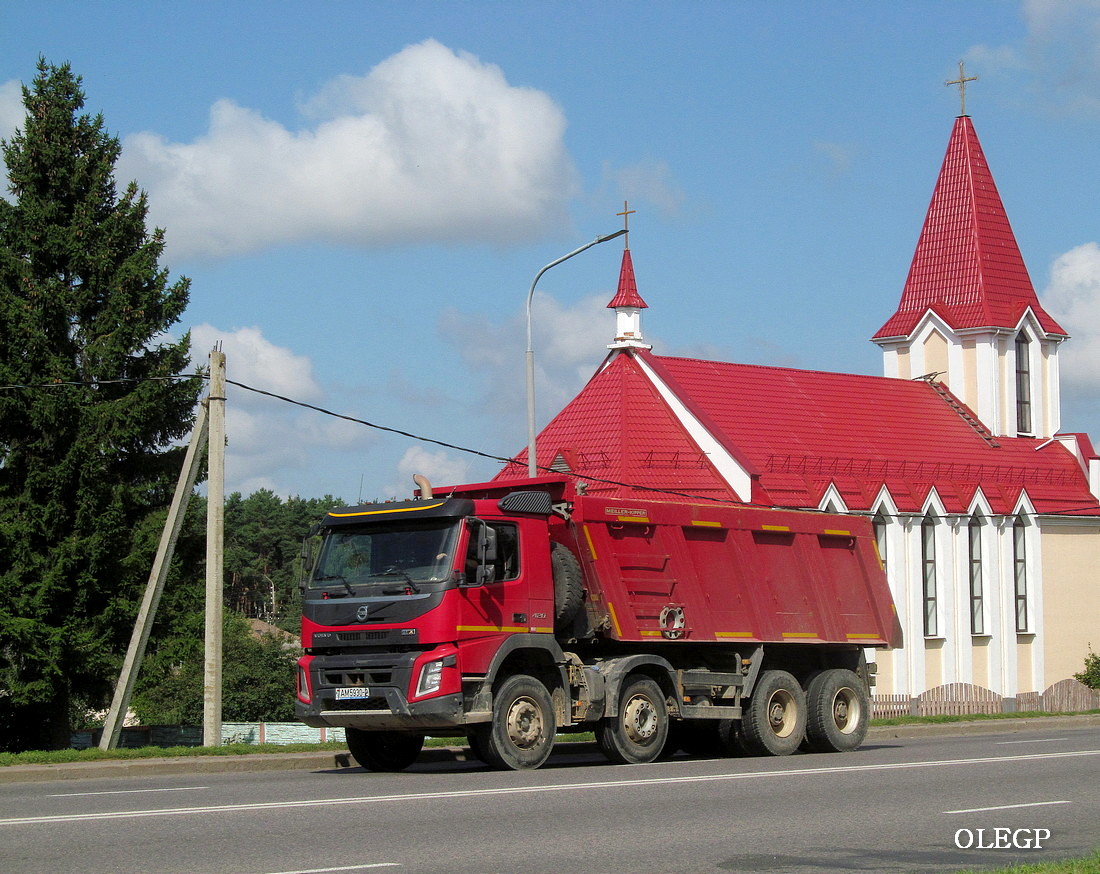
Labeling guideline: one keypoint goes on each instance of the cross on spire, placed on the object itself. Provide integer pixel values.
(626, 214)
(961, 82)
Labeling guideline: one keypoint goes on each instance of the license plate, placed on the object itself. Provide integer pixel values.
(352, 693)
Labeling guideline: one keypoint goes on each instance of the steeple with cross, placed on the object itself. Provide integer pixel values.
(627, 303)
(961, 82)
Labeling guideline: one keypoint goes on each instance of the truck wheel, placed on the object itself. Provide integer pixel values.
(383, 750)
(838, 712)
(639, 732)
(568, 584)
(775, 720)
(521, 734)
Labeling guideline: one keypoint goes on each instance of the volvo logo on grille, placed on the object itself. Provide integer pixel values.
(361, 613)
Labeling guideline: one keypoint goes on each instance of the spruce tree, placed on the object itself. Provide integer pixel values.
(91, 400)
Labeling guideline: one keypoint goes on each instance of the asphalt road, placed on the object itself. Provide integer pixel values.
(896, 805)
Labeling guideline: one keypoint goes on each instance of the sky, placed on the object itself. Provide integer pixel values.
(363, 192)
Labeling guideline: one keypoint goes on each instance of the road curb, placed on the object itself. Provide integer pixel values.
(328, 761)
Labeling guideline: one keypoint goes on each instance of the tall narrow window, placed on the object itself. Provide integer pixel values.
(1023, 384)
(928, 561)
(977, 600)
(1019, 562)
(879, 523)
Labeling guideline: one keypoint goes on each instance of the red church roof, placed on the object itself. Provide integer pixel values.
(967, 267)
(797, 432)
(627, 295)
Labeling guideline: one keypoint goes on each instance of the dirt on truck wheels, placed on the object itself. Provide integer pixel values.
(384, 750)
(521, 733)
(568, 584)
(639, 731)
(838, 712)
(774, 722)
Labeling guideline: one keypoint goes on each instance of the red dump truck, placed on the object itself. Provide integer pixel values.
(506, 612)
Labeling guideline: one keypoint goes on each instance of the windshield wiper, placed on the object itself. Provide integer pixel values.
(395, 571)
(339, 577)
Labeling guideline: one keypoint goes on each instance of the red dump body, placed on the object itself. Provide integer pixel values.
(696, 573)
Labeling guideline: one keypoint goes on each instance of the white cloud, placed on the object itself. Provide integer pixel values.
(1061, 51)
(12, 114)
(645, 181)
(430, 146)
(439, 466)
(569, 343)
(1073, 298)
(271, 441)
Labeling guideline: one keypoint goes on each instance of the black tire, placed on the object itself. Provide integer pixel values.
(477, 749)
(731, 738)
(774, 722)
(384, 750)
(639, 732)
(568, 584)
(838, 711)
(521, 734)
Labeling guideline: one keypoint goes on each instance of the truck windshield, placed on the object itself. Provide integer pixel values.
(384, 556)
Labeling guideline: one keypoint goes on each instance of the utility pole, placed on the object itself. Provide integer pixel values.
(215, 527)
(120, 703)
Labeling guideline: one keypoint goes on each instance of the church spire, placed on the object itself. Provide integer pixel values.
(627, 303)
(967, 267)
(968, 311)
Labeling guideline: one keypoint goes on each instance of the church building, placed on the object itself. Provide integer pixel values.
(987, 517)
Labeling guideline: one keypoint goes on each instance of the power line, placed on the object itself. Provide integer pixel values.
(490, 456)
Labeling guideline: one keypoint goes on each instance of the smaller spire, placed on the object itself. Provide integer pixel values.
(627, 303)
(961, 82)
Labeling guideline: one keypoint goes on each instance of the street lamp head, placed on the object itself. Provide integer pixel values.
(606, 237)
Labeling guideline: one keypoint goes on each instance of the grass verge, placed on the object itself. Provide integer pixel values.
(49, 757)
(1087, 865)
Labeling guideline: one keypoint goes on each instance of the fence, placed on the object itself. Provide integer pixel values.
(961, 699)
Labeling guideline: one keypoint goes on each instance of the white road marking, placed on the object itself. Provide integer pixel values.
(128, 791)
(344, 868)
(534, 790)
(1008, 806)
(1045, 740)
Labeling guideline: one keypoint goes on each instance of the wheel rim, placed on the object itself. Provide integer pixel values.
(640, 720)
(847, 710)
(525, 724)
(782, 713)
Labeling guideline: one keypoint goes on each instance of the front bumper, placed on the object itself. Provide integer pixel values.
(387, 676)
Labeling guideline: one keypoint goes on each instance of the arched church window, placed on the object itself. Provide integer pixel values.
(977, 597)
(1023, 384)
(928, 563)
(1019, 563)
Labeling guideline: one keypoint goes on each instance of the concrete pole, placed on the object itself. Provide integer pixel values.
(215, 525)
(112, 728)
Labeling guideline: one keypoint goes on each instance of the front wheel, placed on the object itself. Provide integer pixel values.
(774, 722)
(384, 750)
(839, 712)
(521, 734)
(639, 731)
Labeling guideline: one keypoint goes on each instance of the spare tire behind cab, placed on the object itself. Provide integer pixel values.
(568, 585)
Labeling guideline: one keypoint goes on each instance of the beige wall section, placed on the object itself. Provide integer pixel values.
(933, 663)
(1071, 599)
(1025, 681)
(969, 387)
(980, 655)
(903, 364)
(935, 353)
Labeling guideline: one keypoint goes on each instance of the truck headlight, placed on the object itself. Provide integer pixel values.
(303, 683)
(431, 678)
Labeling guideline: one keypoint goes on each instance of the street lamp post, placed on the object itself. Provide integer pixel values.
(531, 466)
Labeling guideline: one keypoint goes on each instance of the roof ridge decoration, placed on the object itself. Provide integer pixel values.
(967, 266)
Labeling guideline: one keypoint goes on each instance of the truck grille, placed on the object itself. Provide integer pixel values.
(368, 704)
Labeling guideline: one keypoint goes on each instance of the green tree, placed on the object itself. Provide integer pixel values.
(1090, 676)
(84, 308)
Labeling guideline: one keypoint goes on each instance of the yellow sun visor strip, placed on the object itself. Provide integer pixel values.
(417, 509)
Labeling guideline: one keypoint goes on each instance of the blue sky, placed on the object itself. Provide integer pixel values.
(362, 193)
